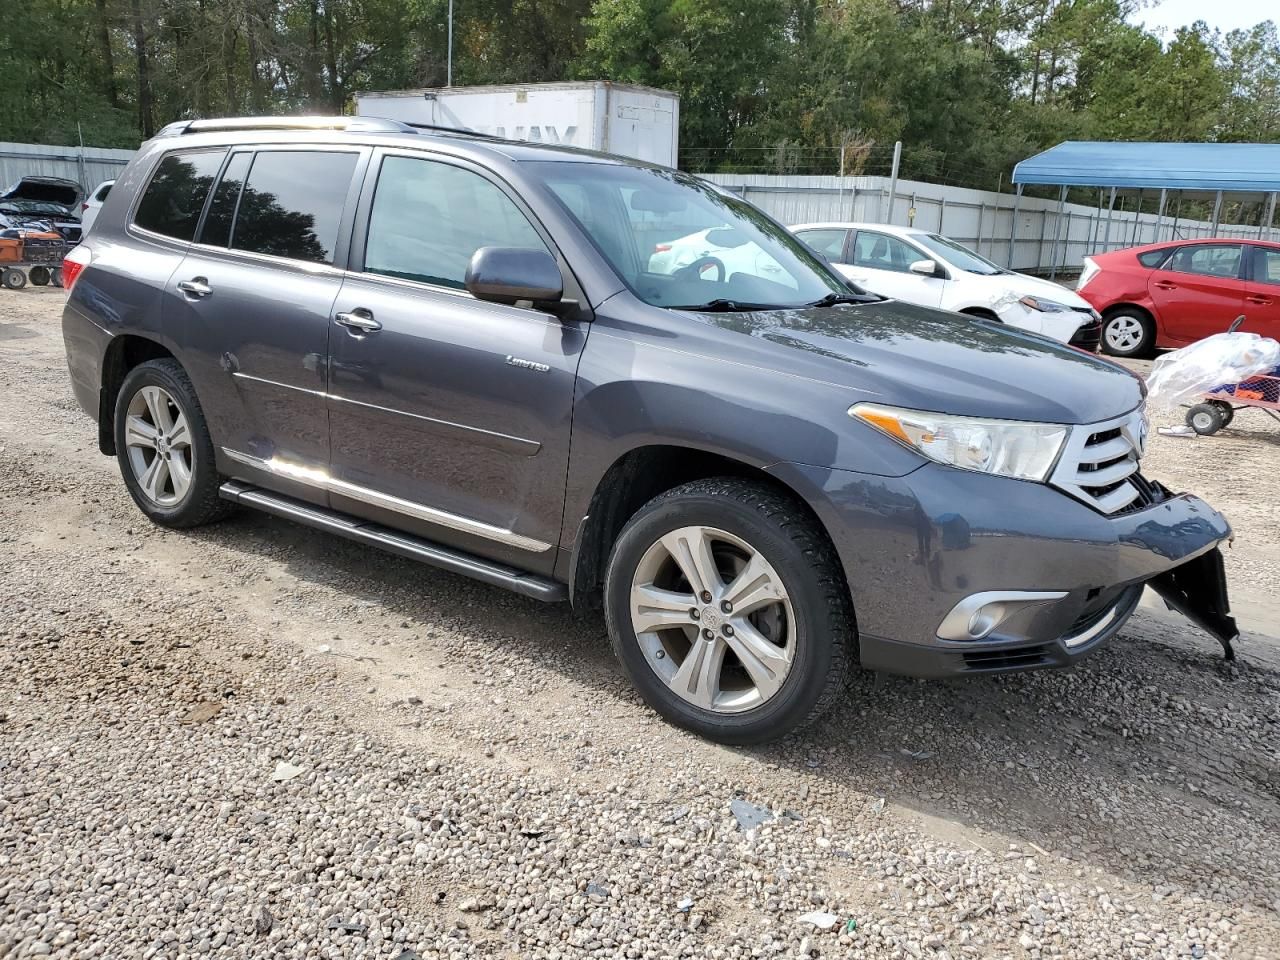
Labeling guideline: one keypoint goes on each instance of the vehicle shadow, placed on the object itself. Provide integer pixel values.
(1152, 757)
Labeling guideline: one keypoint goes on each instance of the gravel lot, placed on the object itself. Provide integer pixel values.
(257, 741)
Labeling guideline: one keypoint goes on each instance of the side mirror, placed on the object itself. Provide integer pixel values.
(926, 268)
(509, 274)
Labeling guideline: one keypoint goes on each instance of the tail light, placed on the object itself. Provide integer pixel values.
(1088, 271)
(84, 206)
(73, 263)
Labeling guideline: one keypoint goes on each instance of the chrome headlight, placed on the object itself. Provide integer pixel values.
(1006, 448)
(1043, 305)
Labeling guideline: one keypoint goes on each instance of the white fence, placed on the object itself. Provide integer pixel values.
(88, 166)
(1040, 241)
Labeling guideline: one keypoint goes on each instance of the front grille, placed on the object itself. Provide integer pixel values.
(1099, 464)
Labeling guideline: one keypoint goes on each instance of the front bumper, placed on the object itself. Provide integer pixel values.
(915, 547)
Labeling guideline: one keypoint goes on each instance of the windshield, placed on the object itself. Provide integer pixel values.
(957, 255)
(677, 242)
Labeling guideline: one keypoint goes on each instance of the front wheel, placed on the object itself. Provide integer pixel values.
(728, 611)
(13, 279)
(164, 448)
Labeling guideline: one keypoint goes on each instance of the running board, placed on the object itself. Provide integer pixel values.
(393, 541)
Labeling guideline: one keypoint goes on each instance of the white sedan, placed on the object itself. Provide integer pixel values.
(917, 266)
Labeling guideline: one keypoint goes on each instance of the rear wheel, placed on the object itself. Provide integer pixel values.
(1205, 419)
(164, 449)
(39, 276)
(13, 278)
(727, 610)
(1128, 333)
(1226, 412)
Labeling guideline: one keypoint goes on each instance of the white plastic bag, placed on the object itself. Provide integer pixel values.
(1181, 376)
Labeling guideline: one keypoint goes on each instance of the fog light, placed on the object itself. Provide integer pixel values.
(977, 616)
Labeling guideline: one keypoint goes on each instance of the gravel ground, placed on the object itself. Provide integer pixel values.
(253, 740)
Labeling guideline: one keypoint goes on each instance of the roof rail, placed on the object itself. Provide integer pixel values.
(350, 124)
(459, 131)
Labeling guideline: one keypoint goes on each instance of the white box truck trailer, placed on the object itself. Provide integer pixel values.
(639, 122)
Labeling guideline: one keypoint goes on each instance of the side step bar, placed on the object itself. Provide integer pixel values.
(393, 541)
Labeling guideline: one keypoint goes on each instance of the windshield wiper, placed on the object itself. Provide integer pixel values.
(831, 299)
(730, 306)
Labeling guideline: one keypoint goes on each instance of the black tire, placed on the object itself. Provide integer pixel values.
(201, 503)
(55, 277)
(39, 276)
(1128, 332)
(1205, 419)
(789, 538)
(13, 278)
(1226, 412)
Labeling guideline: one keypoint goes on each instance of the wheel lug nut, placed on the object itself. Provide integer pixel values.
(708, 634)
(706, 596)
(728, 630)
(693, 613)
(661, 654)
(726, 606)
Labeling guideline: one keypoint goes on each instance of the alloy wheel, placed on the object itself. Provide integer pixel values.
(1124, 333)
(713, 619)
(158, 443)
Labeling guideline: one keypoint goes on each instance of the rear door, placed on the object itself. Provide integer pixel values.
(882, 262)
(1199, 291)
(1262, 292)
(252, 300)
(449, 416)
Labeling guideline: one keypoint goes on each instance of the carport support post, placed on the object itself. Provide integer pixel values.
(1057, 229)
(1271, 215)
(1164, 195)
(1013, 229)
(1137, 216)
(1217, 211)
(1106, 236)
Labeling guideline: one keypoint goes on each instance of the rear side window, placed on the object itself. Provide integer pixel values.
(1209, 259)
(428, 218)
(217, 222)
(102, 192)
(829, 243)
(292, 203)
(1153, 258)
(174, 198)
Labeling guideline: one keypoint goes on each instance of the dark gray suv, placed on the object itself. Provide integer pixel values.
(584, 378)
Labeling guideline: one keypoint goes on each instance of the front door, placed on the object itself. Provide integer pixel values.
(1199, 292)
(881, 263)
(448, 416)
(1262, 293)
(254, 296)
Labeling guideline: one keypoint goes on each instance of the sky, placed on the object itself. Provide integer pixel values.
(1224, 14)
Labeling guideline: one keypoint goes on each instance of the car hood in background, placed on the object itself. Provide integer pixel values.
(65, 193)
(1021, 285)
(924, 359)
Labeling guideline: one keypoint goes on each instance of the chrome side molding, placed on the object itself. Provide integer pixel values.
(322, 480)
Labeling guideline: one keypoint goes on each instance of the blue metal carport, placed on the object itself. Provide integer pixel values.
(1250, 171)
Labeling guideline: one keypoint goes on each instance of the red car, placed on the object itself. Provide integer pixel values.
(1171, 294)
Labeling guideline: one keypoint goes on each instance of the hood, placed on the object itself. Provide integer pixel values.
(66, 193)
(925, 359)
(1022, 284)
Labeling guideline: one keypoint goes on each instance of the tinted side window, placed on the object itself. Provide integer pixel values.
(102, 192)
(879, 251)
(428, 218)
(1153, 258)
(1266, 265)
(829, 243)
(1209, 259)
(175, 196)
(292, 203)
(217, 222)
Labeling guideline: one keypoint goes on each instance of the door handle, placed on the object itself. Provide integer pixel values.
(1165, 285)
(358, 321)
(1261, 301)
(195, 287)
